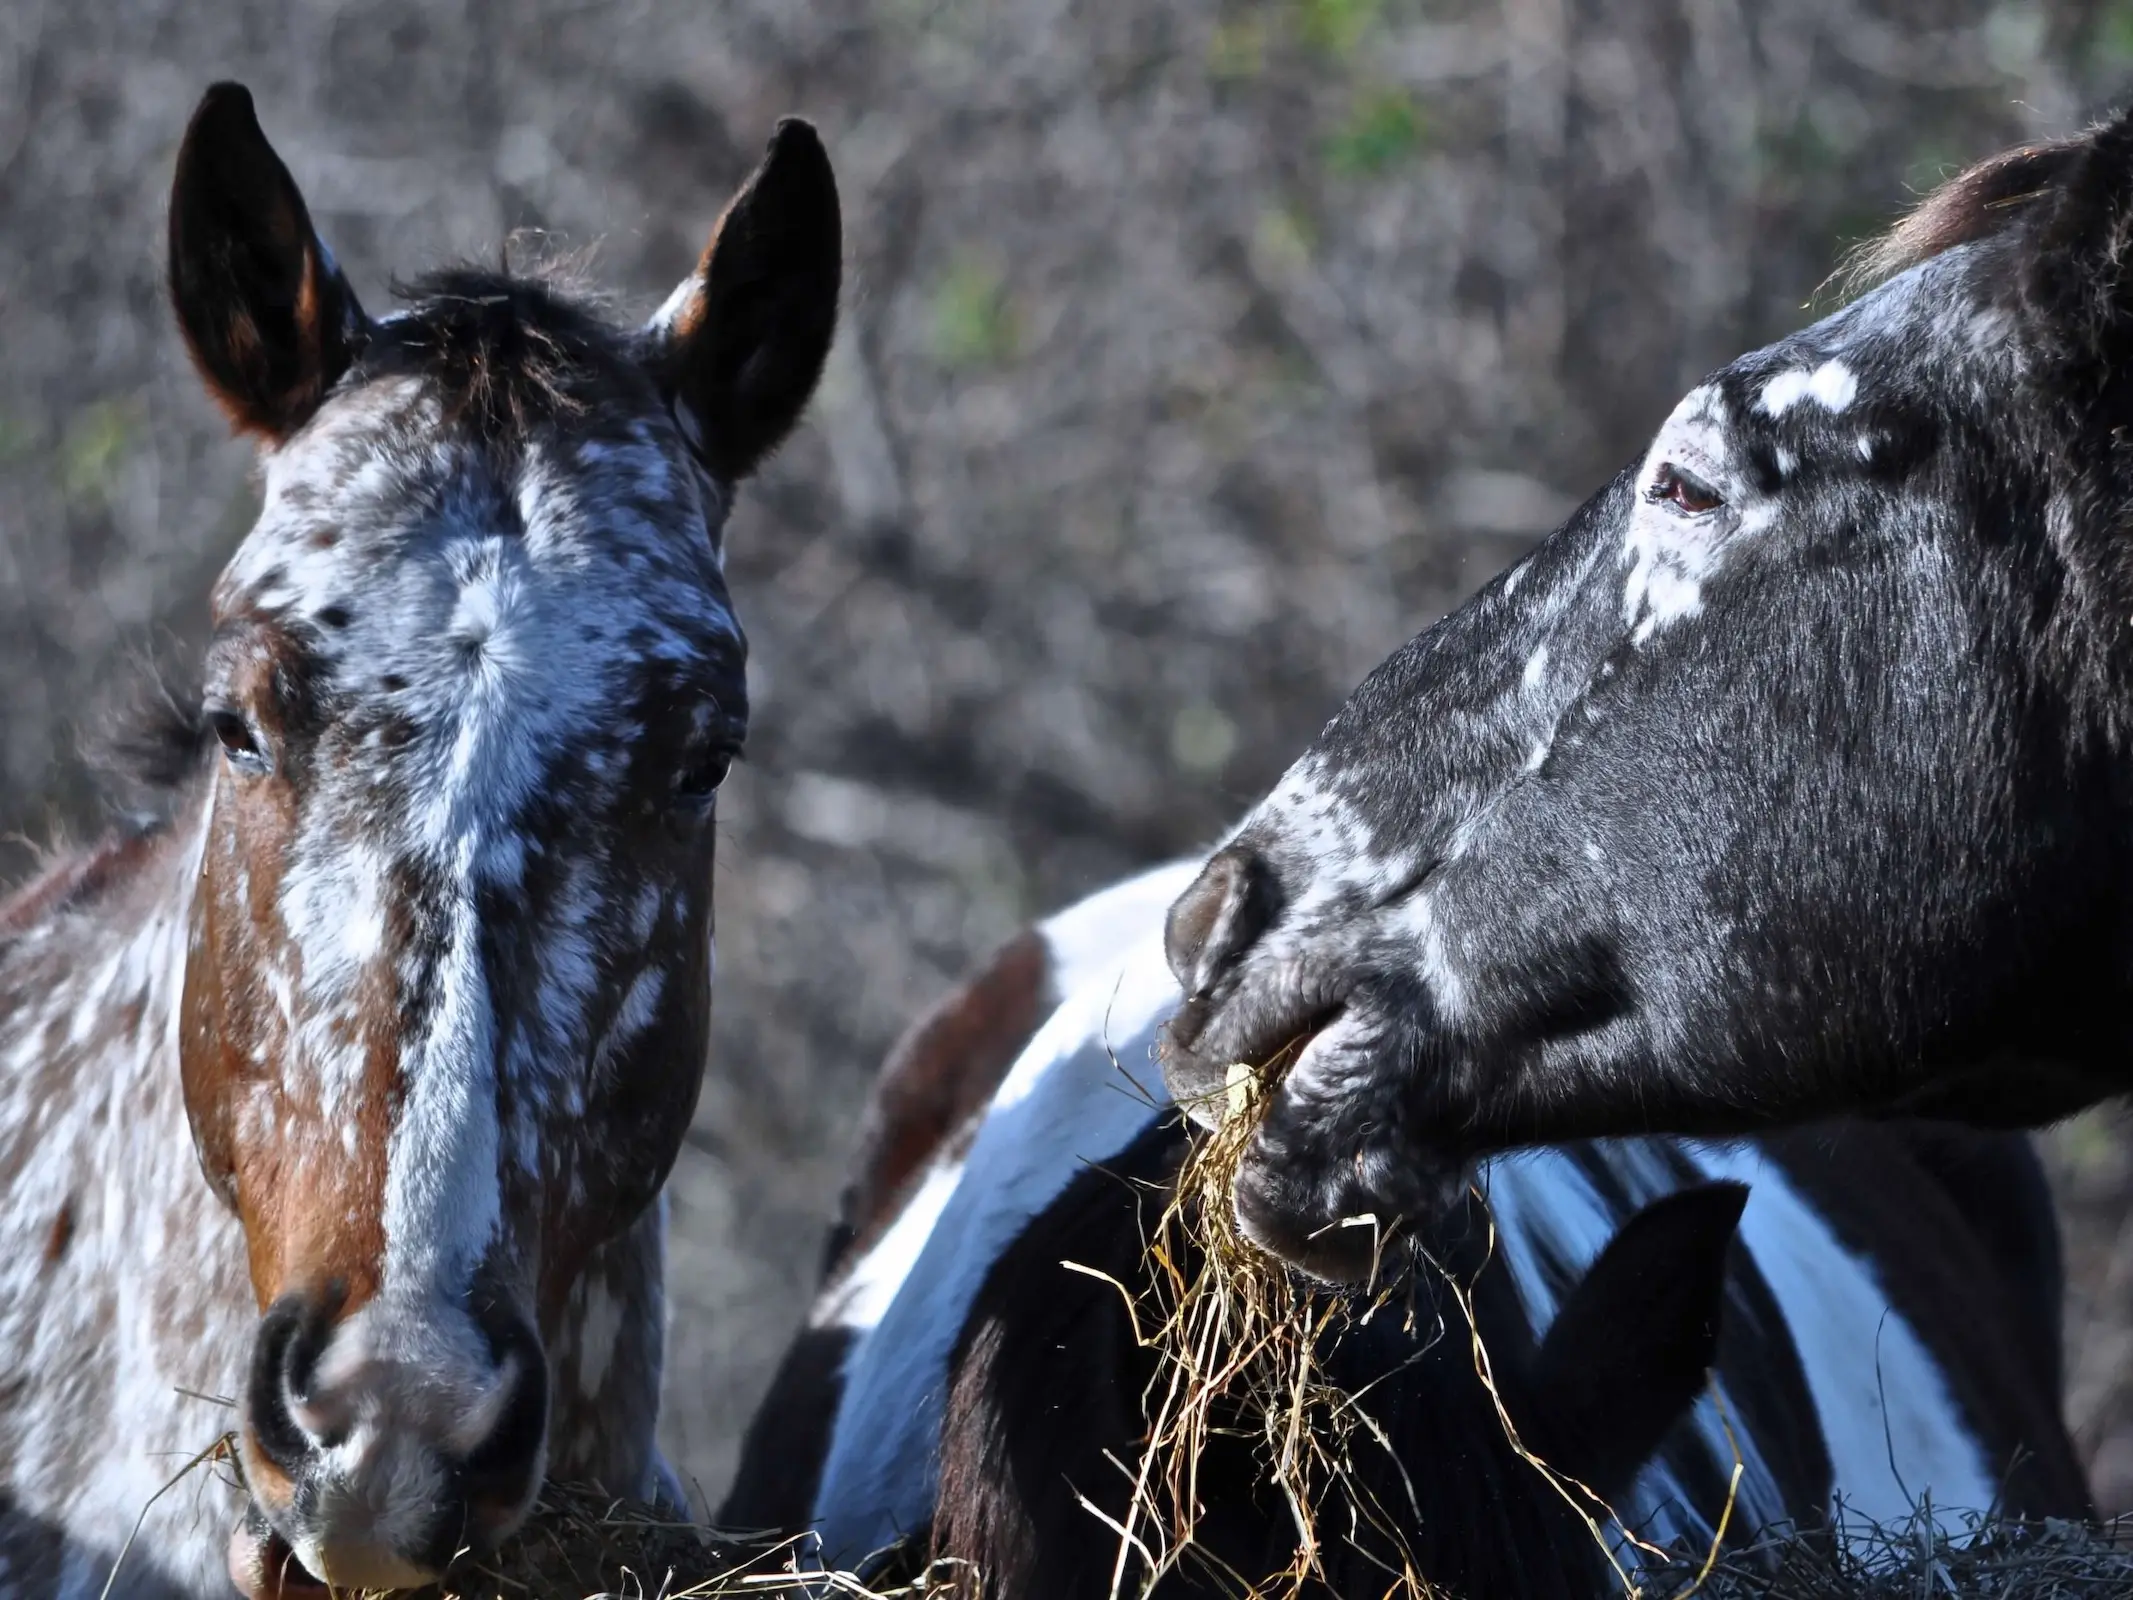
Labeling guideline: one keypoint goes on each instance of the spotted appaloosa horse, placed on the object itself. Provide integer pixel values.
(1877, 1334)
(1789, 777)
(348, 1092)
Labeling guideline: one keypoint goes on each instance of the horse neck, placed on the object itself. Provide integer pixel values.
(89, 987)
(124, 1297)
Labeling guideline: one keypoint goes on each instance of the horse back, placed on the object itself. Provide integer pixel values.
(1960, 1230)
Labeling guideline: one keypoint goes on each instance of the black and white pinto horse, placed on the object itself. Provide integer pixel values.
(1792, 777)
(1884, 1332)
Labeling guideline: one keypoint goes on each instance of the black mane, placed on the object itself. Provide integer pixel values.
(510, 352)
(1979, 202)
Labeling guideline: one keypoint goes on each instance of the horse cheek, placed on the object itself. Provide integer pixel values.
(205, 1051)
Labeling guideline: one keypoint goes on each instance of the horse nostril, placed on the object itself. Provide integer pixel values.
(499, 1464)
(285, 1355)
(1217, 919)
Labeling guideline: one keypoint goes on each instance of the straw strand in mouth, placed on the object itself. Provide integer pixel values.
(1241, 1342)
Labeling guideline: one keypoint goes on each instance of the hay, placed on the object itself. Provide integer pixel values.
(1239, 1340)
(1979, 1558)
(1240, 1343)
(581, 1543)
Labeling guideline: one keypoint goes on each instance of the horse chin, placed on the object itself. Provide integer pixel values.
(264, 1565)
(1356, 1241)
(1327, 1184)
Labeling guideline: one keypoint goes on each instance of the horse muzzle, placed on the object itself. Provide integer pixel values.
(380, 1445)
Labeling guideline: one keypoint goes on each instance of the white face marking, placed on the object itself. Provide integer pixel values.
(1832, 386)
(639, 1009)
(651, 900)
(442, 1195)
(1331, 836)
(1536, 673)
(1671, 554)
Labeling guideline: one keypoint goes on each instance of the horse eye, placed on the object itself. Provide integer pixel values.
(1684, 491)
(238, 741)
(699, 781)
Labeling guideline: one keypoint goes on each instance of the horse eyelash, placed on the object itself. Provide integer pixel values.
(1672, 478)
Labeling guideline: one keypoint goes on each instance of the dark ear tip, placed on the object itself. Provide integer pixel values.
(796, 150)
(1732, 1190)
(1721, 1202)
(229, 102)
(795, 134)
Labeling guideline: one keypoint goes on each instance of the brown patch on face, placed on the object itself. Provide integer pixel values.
(941, 1073)
(61, 1233)
(311, 1208)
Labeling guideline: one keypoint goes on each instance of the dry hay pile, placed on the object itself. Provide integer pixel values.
(1987, 1558)
(581, 1543)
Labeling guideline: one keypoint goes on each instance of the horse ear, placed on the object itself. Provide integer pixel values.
(269, 319)
(1627, 1353)
(739, 344)
(2077, 282)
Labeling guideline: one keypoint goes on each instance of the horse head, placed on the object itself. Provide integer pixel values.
(1786, 778)
(476, 679)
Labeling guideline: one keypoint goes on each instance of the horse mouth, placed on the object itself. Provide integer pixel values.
(262, 1565)
(1213, 1085)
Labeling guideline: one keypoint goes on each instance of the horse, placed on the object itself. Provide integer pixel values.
(336, 1102)
(970, 1385)
(1786, 779)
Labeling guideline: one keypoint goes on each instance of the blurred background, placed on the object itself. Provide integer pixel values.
(1194, 356)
